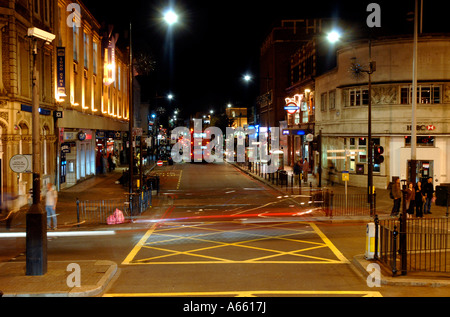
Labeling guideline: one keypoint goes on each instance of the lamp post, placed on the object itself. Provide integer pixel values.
(357, 69)
(36, 218)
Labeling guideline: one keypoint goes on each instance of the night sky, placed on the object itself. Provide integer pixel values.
(203, 58)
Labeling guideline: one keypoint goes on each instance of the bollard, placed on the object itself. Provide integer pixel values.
(78, 212)
(377, 221)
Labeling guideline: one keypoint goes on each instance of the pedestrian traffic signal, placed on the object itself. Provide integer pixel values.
(378, 157)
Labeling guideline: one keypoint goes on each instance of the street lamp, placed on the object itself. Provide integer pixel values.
(170, 17)
(357, 69)
(36, 219)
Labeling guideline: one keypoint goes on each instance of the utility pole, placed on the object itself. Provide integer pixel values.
(413, 162)
(131, 117)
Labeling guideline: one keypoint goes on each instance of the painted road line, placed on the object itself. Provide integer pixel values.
(61, 234)
(335, 250)
(139, 245)
(250, 294)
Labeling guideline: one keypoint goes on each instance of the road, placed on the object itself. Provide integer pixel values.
(218, 232)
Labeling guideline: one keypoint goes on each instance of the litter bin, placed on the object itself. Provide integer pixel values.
(283, 177)
(370, 241)
(442, 192)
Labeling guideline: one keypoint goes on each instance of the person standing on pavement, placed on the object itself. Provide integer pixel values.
(305, 171)
(51, 197)
(419, 200)
(397, 196)
(410, 200)
(428, 191)
(297, 171)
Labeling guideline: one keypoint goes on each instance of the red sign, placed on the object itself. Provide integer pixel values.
(431, 127)
(160, 163)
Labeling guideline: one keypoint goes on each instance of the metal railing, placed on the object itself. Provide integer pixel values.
(422, 245)
(97, 211)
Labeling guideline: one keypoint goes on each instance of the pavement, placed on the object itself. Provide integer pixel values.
(97, 274)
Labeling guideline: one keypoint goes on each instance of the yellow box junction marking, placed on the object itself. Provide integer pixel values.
(167, 236)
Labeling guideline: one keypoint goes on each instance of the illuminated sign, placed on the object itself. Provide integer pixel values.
(110, 61)
(61, 71)
(293, 104)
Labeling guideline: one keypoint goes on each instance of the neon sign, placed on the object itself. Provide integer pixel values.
(293, 104)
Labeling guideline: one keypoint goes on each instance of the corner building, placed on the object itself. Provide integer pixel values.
(342, 116)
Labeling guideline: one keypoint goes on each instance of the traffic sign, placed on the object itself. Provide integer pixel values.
(160, 163)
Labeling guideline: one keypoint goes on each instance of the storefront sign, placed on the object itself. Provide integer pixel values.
(293, 104)
(65, 148)
(422, 127)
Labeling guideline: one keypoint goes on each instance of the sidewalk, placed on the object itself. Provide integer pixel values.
(383, 202)
(95, 275)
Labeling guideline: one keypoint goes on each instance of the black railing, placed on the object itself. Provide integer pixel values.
(97, 211)
(425, 246)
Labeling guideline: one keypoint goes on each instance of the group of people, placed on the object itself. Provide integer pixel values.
(417, 197)
(301, 169)
(105, 163)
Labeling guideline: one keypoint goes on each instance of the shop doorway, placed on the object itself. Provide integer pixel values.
(424, 170)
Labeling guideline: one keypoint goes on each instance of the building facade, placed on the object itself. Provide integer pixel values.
(290, 60)
(342, 117)
(16, 57)
(83, 93)
(94, 100)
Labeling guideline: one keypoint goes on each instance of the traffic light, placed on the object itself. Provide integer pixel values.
(378, 157)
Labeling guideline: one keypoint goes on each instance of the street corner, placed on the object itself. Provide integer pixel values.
(84, 278)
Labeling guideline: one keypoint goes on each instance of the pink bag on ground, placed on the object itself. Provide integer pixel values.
(116, 218)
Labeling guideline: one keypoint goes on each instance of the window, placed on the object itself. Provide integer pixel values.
(332, 99)
(75, 43)
(119, 78)
(295, 74)
(94, 57)
(323, 102)
(360, 157)
(422, 141)
(86, 50)
(358, 97)
(426, 94)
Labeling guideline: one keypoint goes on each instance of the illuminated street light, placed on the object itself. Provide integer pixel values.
(333, 36)
(170, 17)
(247, 78)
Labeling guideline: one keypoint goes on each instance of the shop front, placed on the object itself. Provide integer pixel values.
(77, 156)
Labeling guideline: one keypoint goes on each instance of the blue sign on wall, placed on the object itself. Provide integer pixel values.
(61, 70)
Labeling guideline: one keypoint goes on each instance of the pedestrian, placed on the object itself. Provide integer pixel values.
(331, 170)
(110, 162)
(410, 199)
(114, 162)
(98, 162)
(419, 199)
(397, 197)
(297, 172)
(305, 169)
(428, 192)
(104, 163)
(51, 198)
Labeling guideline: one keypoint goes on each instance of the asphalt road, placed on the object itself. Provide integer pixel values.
(218, 232)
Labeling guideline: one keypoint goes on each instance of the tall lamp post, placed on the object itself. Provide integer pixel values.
(36, 218)
(357, 69)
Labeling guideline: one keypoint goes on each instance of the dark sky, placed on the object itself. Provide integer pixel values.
(217, 41)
